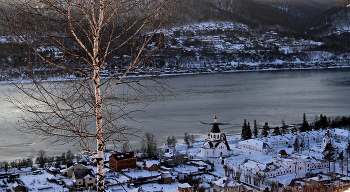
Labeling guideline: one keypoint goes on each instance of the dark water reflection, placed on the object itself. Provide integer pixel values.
(267, 96)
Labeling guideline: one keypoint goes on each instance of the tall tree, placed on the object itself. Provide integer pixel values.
(276, 131)
(88, 35)
(249, 131)
(305, 125)
(246, 131)
(329, 154)
(171, 142)
(149, 145)
(296, 144)
(42, 158)
(256, 132)
(189, 140)
(266, 129)
(324, 122)
(244, 127)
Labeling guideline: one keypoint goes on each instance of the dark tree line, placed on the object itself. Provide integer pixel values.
(320, 122)
(42, 160)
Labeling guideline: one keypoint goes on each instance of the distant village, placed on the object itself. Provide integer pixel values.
(202, 48)
(285, 160)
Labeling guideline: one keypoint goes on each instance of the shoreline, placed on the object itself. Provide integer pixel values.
(176, 74)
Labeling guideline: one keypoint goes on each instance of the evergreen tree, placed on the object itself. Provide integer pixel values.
(276, 131)
(296, 144)
(305, 125)
(329, 153)
(246, 132)
(244, 128)
(256, 132)
(317, 123)
(323, 122)
(249, 131)
(266, 129)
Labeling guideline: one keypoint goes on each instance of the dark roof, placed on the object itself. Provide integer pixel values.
(215, 128)
(121, 156)
(82, 173)
(283, 152)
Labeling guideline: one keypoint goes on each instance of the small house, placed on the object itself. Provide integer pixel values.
(70, 169)
(227, 184)
(83, 178)
(166, 178)
(184, 187)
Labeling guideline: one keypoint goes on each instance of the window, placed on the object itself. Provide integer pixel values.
(90, 179)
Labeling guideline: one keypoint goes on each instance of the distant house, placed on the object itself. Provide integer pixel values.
(121, 161)
(184, 187)
(71, 168)
(256, 146)
(166, 178)
(227, 184)
(172, 159)
(83, 178)
(148, 165)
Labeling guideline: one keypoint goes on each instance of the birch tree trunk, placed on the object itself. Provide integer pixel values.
(89, 34)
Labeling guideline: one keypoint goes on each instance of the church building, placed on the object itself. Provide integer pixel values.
(216, 144)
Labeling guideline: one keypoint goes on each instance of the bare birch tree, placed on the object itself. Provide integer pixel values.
(81, 38)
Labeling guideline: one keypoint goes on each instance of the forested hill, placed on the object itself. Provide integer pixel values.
(293, 15)
(249, 12)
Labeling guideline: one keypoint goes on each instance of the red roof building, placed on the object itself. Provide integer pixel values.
(121, 161)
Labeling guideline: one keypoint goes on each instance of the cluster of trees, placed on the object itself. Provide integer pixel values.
(16, 164)
(331, 154)
(43, 160)
(247, 132)
(149, 146)
(320, 122)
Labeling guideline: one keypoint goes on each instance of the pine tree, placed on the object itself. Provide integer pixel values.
(296, 144)
(305, 125)
(323, 122)
(256, 132)
(329, 153)
(249, 131)
(276, 131)
(266, 130)
(246, 132)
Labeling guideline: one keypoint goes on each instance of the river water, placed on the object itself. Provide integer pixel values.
(267, 96)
